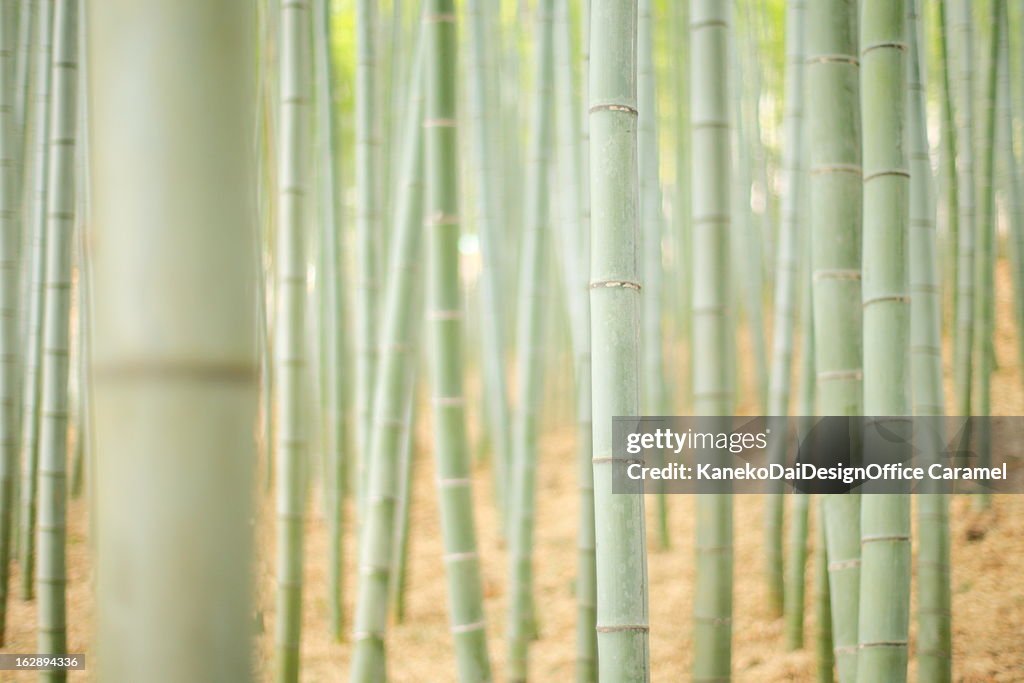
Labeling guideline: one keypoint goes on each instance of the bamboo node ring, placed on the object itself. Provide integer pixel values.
(898, 298)
(618, 628)
(899, 172)
(834, 59)
(837, 274)
(854, 169)
(879, 46)
(843, 564)
(608, 284)
(468, 628)
(460, 557)
(613, 107)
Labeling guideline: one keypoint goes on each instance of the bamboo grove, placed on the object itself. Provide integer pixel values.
(315, 316)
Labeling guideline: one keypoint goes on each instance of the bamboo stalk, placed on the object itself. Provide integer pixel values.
(399, 349)
(933, 572)
(824, 654)
(622, 613)
(173, 211)
(712, 370)
(406, 464)
(835, 220)
(289, 343)
(444, 329)
(949, 146)
(786, 269)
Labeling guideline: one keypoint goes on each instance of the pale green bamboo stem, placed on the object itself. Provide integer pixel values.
(933, 571)
(28, 13)
(51, 573)
(1014, 189)
(444, 329)
(835, 220)
(289, 333)
(622, 614)
(985, 255)
(786, 269)
(949, 146)
(8, 303)
(712, 373)
(533, 290)
(368, 231)
(175, 370)
(962, 34)
(656, 396)
(407, 461)
(482, 113)
(824, 654)
(398, 352)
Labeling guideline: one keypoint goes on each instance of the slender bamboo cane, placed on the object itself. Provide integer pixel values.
(51, 577)
(533, 287)
(962, 34)
(949, 146)
(681, 201)
(824, 654)
(622, 613)
(884, 613)
(336, 438)
(712, 386)
(398, 345)
(786, 269)
(575, 261)
(406, 465)
(985, 255)
(482, 114)
(176, 369)
(834, 142)
(655, 398)
(8, 304)
(28, 14)
(1013, 187)
(368, 229)
(933, 572)
(289, 344)
(444, 315)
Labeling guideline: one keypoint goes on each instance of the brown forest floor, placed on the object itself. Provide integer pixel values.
(987, 555)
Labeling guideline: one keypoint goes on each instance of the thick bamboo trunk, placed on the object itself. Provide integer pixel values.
(786, 280)
(399, 350)
(712, 296)
(444, 330)
(289, 338)
(835, 188)
(884, 613)
(176, 369)
(933, 572)
(622, 615)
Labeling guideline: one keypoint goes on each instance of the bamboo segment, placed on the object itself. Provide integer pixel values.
(444, 316)
(622, 615)
(786, 269)
(175, 363)
(51, 576)
(529, 339)
(963, 36)
(884, 613)
(573, 242)
(368, 231)
(8, 305)
(483, 115)
(933, 572)
(835, 220)
(398, 353)
(949, 147)
(1013, 187)
(289, 342)
(712, 374)
(824, 654)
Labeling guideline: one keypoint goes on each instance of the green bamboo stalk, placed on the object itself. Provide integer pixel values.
(336, 438)
(444, 315)
(175, 370)
(1013, 187)
(398, 352)
(949, 146)
(655, 399)
(482, 114)
(22, 64)
(985, 255)
(368, 231)
(51, 577)
(406, 465)
(289, 345)
(962, 34)
(824, 654)
(8, 304)
(786, 269)
(796, 556)
(835, 220)
(681, 209)
(529, 340)
(884, 613)
(622, 614)
(573, 248)
(712, 383)
(933, 571)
